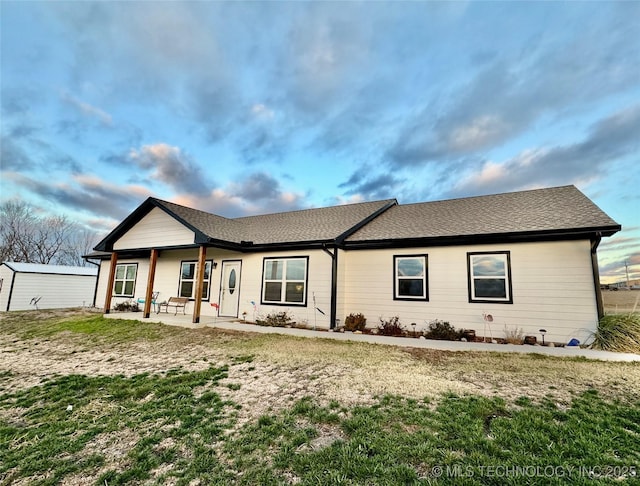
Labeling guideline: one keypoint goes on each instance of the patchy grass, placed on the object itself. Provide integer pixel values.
(113, 429)
(453, 440)
(158, 404)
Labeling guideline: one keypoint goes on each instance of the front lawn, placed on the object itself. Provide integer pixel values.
(115, 402)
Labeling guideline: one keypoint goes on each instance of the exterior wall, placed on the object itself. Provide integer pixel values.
(167, 279)
(55, 291)
(156, 229)
(552, 286)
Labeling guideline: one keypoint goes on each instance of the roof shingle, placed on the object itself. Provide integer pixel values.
(539, 210)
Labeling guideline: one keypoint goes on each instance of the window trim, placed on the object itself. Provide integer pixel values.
(422, 298)
(508, 284)
(195, 278)
(284, 281)
(115, 279)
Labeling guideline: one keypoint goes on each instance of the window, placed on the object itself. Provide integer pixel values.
(284, 281)
(489, 277)
(410, 281)
(125, 281)
(188, 280)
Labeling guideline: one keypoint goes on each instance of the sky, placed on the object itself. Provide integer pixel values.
(242, 108)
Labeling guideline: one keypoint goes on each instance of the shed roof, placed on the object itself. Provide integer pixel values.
(21, 267)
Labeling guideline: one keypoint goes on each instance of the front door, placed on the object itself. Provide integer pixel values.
(230, 288)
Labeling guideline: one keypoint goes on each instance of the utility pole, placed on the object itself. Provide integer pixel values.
(626, 269)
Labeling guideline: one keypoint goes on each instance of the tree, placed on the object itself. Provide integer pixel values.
(26, 237)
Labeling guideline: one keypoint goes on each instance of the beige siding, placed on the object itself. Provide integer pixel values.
(157, 229)
(552, 288)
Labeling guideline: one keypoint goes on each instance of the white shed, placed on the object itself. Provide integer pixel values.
(24, 286)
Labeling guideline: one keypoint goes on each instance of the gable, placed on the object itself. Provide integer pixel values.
(155, 230)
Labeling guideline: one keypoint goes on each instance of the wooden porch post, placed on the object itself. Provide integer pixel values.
(112, 277)
(150, 279)
(199, 284)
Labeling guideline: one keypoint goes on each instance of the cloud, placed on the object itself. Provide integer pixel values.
(552, 76)
(12, 156)
(85, 194)
(368, 186)
(609, 139)
(86, 109)
(258, 193)
(171, 166)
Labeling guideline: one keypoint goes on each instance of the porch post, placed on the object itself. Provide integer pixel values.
(112, 277)
(150, 279)
(199, 284)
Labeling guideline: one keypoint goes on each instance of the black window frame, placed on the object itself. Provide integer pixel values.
(508, 299)
(208, 296)
(396, 278)
(124, 280)
(305, 299)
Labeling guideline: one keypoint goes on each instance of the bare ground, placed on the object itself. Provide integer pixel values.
(285, 369)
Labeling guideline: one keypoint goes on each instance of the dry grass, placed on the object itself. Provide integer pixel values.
(285, 369)
(621, 301)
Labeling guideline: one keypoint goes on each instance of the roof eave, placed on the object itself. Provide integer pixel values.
(515, 237)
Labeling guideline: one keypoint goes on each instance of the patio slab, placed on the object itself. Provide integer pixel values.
(457, 346)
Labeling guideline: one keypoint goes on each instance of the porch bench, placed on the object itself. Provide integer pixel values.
(176, 303)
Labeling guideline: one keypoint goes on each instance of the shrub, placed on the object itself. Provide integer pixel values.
(618, 332)
(513, 336)
(276, 319)
(355, 322)
(392, 327)
(443, 331)
(126, 306)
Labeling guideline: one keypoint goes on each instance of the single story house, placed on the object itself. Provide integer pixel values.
(527, 258)
(25, 286)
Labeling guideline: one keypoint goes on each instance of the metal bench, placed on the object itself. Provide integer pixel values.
(176, 303)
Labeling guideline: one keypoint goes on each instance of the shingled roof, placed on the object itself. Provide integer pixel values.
(527, 214)
(557, 210)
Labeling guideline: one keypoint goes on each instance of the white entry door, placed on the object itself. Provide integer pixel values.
(230, 288)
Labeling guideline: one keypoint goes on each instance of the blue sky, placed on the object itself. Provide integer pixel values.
(250, 107)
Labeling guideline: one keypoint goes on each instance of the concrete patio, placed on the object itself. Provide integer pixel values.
(458, 346)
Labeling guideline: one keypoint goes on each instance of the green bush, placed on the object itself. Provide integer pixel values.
(618, 332)
(392, 327)
(355, 322)
(443, 331)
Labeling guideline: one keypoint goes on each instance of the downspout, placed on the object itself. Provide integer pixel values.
(596, 274)
(95, 291)
(334, 285)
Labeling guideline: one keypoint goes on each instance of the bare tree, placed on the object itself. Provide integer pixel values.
(25, 237)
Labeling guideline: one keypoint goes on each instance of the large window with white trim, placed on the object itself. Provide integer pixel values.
(124, 283)
(410, 277)
(188, 280)
(489, 277)
(284, 281)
